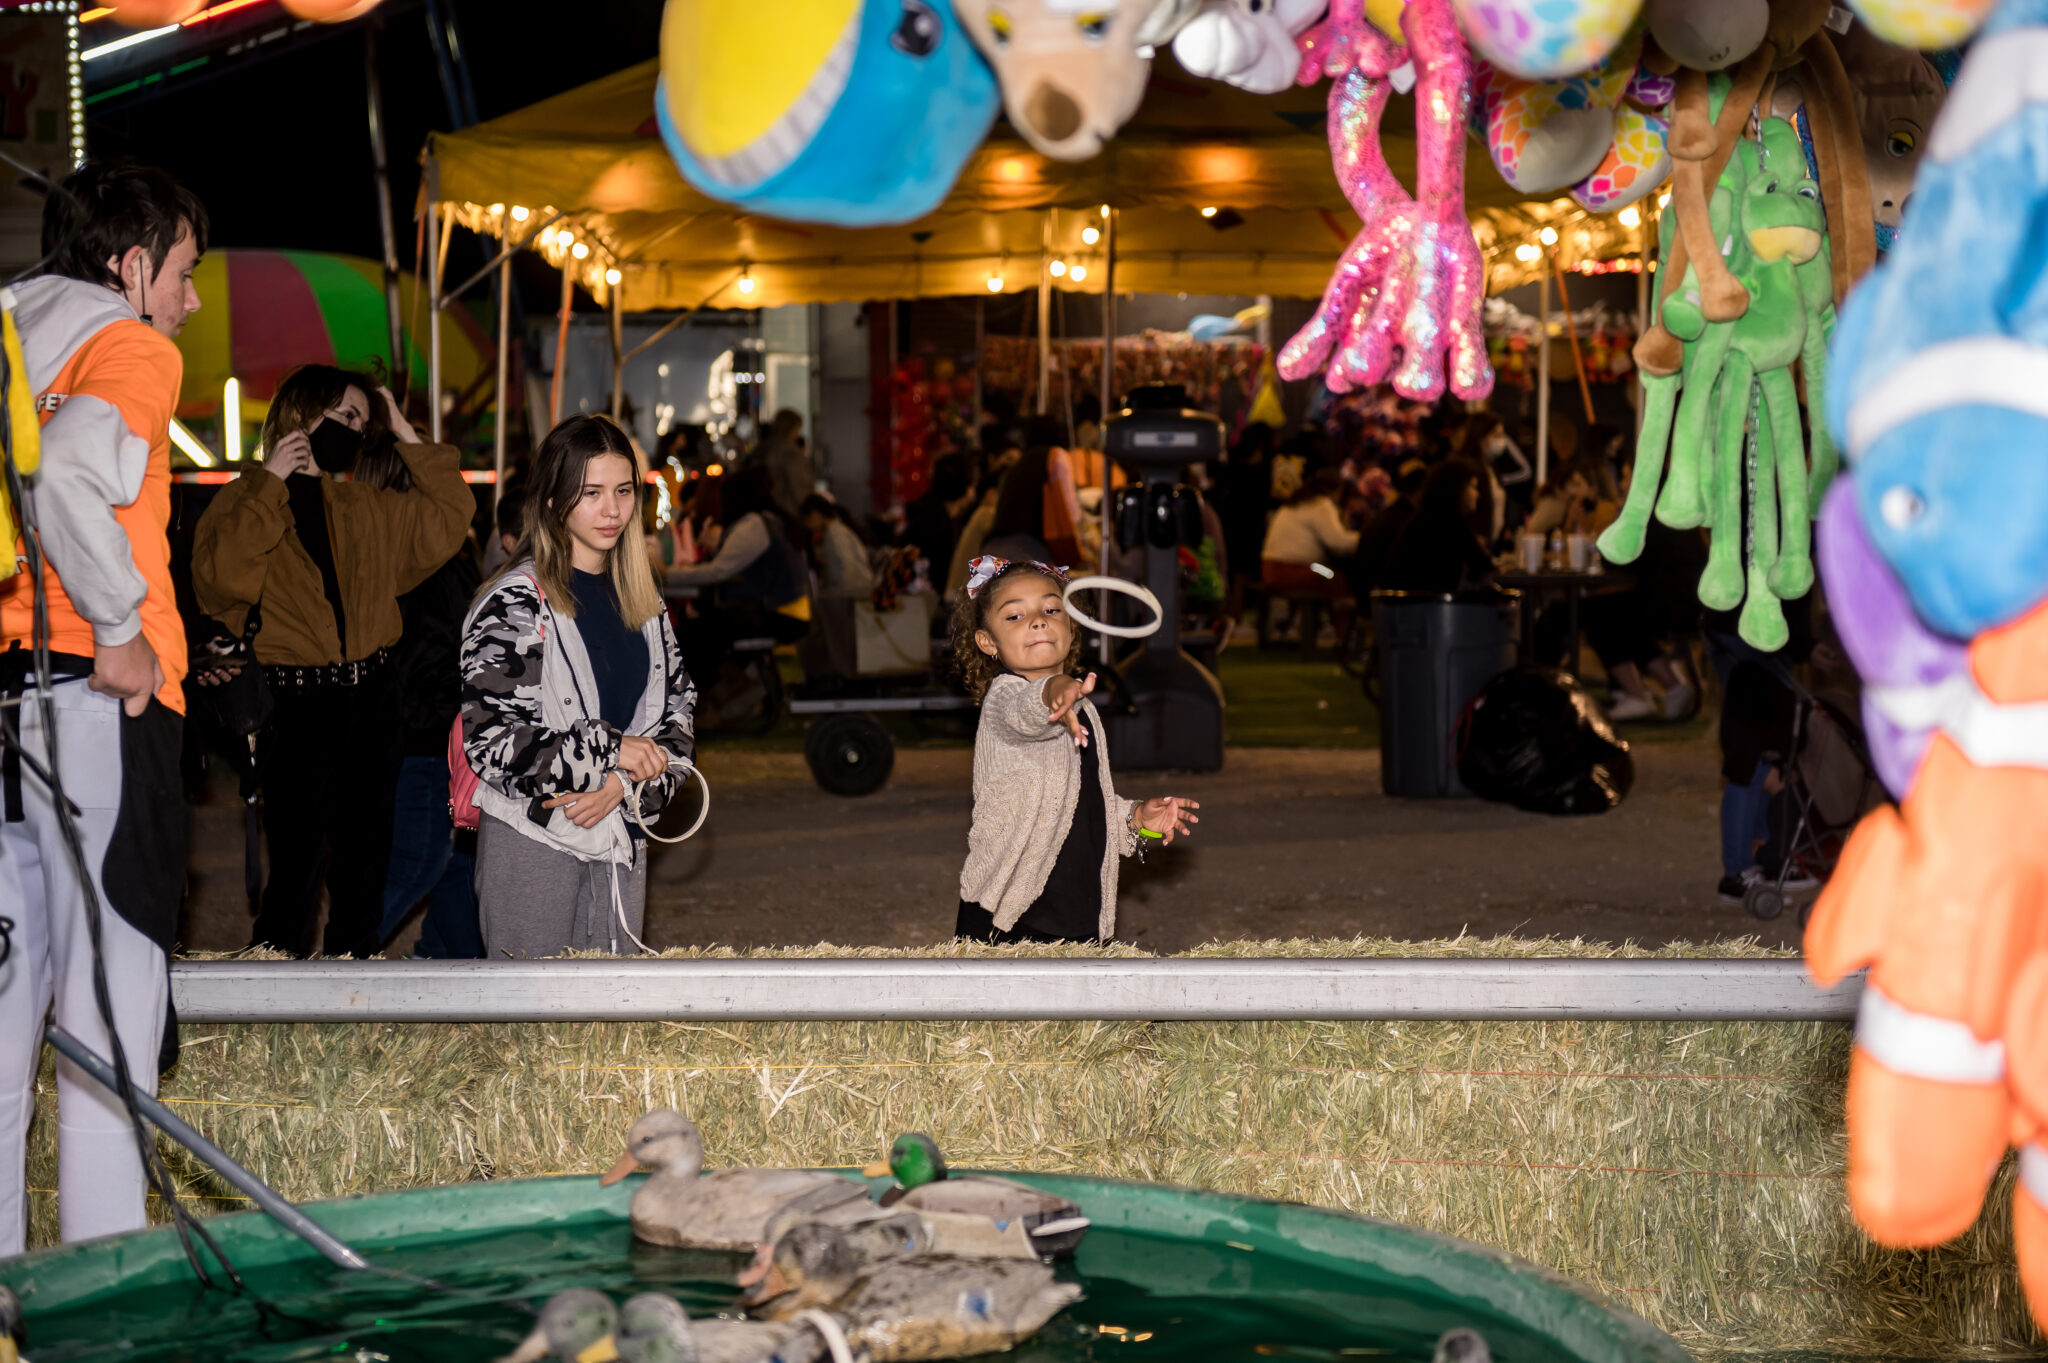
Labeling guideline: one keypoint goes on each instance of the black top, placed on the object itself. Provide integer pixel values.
(427, 661)
(1436, 553)
(303, 493)
(1070, 906)
(618, 655)
(1020, 503)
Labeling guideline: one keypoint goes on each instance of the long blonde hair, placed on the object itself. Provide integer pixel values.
(555, 485)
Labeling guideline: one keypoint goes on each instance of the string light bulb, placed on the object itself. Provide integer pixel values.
(520, 213)
(1058, 269)
(746, 284)
(1078, 273)
(1209, 212)
(1548, 236)
(995, 283)
(1105, 210)
(1527, 252)
(1090, 235)
(612, 277)
(1663, 200)
(581, 250)
(1629, 218)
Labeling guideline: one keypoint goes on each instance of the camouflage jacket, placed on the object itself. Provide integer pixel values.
(507, 710)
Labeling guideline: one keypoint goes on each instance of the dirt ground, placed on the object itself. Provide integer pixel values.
(1293, 843)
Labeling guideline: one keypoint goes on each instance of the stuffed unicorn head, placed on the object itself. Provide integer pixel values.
(1249, 43)
(1941, 399)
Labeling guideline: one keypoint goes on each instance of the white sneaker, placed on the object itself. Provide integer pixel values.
(1627, 707)
(1678, 701)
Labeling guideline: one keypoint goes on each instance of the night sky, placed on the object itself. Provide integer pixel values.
(278, 146)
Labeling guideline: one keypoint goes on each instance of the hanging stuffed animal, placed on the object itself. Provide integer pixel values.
(1599, 133)
(1738, 461)
(1711, 35)
(1249, 43)
(1935, 550)
(1404, 305)
(1545, 40)
(1898, 93)
(852, 112)
(1072, 72)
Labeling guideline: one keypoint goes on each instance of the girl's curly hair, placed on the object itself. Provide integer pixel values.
(978, 669)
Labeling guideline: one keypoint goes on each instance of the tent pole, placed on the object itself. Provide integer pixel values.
(618, 301)
(504, 414)
(561, 345)
(1542, 380)
(434, 323)
(1108, 402)
(1045, 314)
(393, 309)
(980, 330)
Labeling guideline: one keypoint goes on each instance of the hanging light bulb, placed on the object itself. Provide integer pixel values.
(581, 250)
(995, 283)
(1105, 210)
(1629, 218)
(612, 277)
(1527, 252)
(1548, 236)
(746, 281)
(1089, 236)
(520, 214)
(1078, 273)
(1058, 269)
(1209, 212)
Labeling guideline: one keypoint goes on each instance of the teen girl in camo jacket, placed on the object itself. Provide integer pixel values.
(573, 694)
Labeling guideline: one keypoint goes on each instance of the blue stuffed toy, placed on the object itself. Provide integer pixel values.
(1939, 375)
(858, 113)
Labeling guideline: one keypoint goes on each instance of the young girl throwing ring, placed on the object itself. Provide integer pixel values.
(1049, 827)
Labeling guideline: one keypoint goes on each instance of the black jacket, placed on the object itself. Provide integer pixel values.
(427, 659)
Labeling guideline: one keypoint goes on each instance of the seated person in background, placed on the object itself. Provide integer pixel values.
(1443, 549)
(759, 572)
(1757, 710)
(1580, 498)
(1308, 533)
(1376, 540)
(842, 577)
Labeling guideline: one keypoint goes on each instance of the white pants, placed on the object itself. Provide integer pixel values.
(100, 1182)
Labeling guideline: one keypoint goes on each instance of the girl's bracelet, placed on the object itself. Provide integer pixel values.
(1148, 833)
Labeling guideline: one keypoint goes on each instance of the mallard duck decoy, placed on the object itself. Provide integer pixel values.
(733, 1209)
(575, 1326)
(1054, 1224)
(1462, 1346)
(655, 1329)
(914, 1308)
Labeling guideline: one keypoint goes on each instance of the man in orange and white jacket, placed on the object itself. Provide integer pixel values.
(96, 333)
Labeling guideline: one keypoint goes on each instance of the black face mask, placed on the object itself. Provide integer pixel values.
(335, 446)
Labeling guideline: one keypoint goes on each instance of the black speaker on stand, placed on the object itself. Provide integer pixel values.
(1174, 715)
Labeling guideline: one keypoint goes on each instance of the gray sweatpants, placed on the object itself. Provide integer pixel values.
(535, 900)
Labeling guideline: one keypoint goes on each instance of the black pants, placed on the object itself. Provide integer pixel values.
(330, 758)
(977, 924)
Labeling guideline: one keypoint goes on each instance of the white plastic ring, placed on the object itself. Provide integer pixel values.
(688, 770)
(1115, 584)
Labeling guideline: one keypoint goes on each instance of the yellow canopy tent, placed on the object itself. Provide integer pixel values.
(593, 155)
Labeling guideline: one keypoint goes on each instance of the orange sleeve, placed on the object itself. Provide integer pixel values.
(136, 369)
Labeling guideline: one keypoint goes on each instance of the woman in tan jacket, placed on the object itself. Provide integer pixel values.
(316, 564)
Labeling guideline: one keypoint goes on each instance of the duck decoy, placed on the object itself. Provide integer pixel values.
(1462, 1345)
(731, 1209)
(923, 1184)
(655, 1329)
(922, 1307)
(575, 1326)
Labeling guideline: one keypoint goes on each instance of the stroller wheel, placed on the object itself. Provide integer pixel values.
(1764, 901)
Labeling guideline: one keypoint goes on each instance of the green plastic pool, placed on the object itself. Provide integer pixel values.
(1169, 1274)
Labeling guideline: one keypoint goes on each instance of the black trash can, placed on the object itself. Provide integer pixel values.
(1436, 651)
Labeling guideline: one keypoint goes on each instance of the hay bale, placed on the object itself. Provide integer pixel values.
(1694, 1171)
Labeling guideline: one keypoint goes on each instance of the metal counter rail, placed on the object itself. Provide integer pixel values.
(1176, 989)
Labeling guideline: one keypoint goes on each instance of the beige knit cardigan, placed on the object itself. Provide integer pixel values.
(1027, 781)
